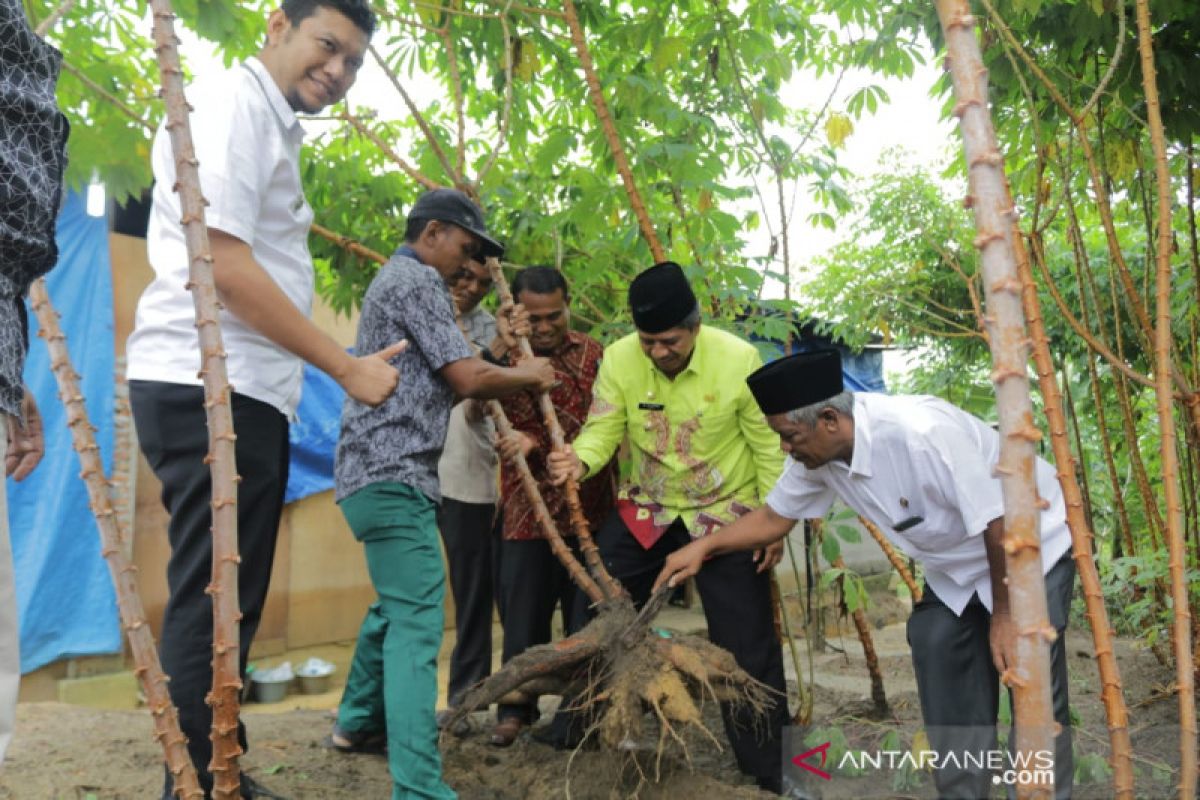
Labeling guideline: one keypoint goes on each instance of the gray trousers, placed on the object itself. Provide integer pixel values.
(959, 686)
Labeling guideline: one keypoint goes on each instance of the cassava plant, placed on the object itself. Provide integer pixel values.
(221, 456)
(994, 214)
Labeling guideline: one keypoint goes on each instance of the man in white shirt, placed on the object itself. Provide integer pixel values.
(921, 469)
(247, 140)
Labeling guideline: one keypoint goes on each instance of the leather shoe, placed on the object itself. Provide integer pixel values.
(506, 731)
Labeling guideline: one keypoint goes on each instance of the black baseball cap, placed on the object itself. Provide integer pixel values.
(453, 206)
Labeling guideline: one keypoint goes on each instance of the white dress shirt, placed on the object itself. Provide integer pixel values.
(921, 457)
(247, 141)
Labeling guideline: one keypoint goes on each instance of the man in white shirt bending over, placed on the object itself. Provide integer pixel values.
(922, 470)
(247, 140)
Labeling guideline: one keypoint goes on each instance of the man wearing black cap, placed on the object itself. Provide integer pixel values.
(922, 469)
(387, 485)
(701, 456)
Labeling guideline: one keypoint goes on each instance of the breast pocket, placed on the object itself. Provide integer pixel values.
(712, 427)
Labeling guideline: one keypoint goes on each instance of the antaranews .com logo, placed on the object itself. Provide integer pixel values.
(831, 769)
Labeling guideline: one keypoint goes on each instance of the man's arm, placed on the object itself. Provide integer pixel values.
(759, 528)
(475, 378)
(251, 295)
(1002, 634)
(602, 432)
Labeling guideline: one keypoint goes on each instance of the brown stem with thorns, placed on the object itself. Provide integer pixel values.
(1008, 340)
(422, 123)
(348, 244)
(49, 22)
(113, 538)
(111, 98)
(405, 167)
(560, 549)
(878, 695)
(1081, 536)
(532, 493)
(591, 554)
(1184, 674)
(897, 562)
(610, 132)
(226, 684)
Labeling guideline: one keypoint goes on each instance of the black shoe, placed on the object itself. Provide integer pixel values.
(252, 789)
(565, 731)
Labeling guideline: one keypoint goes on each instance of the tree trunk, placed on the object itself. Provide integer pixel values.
(878, 696)
(1008, 340)
(1081, 538)
(610, 132)
(113, 541)
(1185, 676)
(221, 456)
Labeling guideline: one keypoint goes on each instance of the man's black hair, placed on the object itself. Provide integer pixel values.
(540, 280)
(357, 11)
(414, 228)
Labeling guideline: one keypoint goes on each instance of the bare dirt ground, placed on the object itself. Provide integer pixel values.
(76, 753)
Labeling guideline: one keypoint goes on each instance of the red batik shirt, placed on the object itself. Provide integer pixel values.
(575, 363)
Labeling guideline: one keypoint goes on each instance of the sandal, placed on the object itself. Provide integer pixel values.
(364, 742)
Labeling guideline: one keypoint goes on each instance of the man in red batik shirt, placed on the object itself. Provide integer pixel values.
(532, 580)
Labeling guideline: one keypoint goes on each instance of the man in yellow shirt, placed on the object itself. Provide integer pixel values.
(701, 456)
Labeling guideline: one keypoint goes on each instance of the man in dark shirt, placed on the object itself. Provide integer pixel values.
(387, 484)
(532, 580)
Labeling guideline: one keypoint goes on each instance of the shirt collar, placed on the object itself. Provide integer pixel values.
(408, 252)
(860, 461)
(279, 104)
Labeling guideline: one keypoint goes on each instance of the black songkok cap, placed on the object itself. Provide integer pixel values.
(660, 298)
(797, 381)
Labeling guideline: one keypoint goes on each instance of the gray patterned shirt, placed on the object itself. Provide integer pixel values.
(33, 135)
(401, 439)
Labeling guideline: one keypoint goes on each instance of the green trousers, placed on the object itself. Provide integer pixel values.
(392, 684)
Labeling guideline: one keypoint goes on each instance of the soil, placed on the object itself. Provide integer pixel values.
(76, 753)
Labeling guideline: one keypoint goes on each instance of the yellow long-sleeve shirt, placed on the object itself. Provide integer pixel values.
(700, 447)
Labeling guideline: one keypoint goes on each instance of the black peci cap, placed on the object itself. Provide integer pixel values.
(660, 298)
(453, 206)
(797, 381)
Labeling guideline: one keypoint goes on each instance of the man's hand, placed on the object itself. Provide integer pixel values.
(1002, 637)
(564, 464)
(539, 372)
(769, 556)
(515, 443)
(371, 379)
(682, 564)
(512, 321)
(25, 443)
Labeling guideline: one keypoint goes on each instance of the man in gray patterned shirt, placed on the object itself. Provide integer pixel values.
(387, 485)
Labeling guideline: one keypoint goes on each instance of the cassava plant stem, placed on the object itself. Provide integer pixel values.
(221, 459)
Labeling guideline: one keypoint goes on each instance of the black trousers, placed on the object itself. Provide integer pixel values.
(469, 533)
(737, 606)
(173, 434)
(533, 582)
(959, 686)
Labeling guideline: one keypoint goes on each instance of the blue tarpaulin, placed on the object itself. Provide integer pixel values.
(313, 435)
(65, 596)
